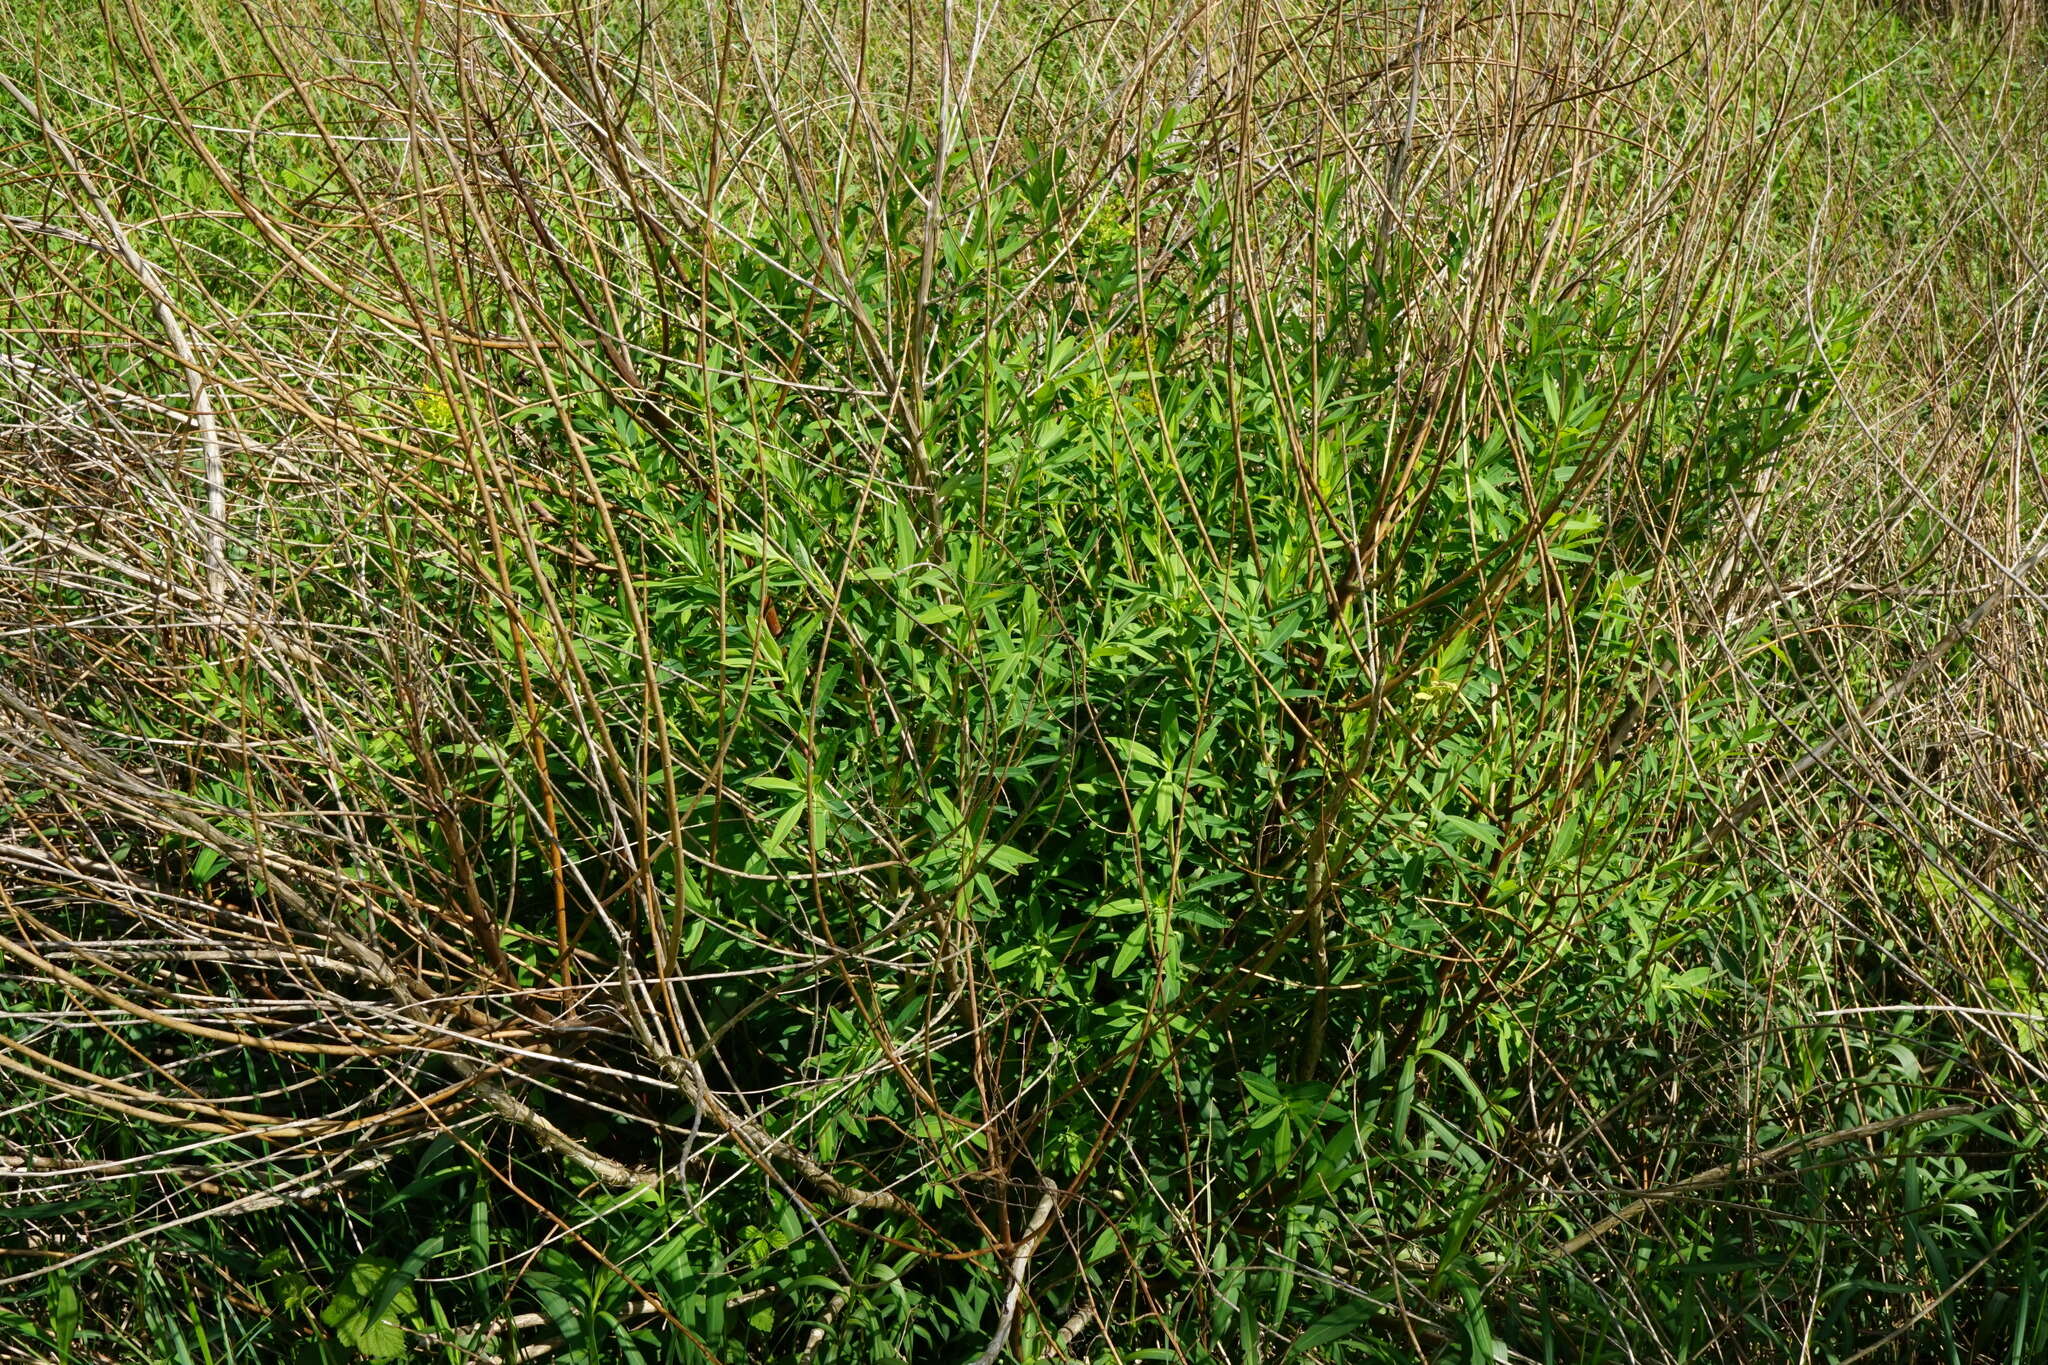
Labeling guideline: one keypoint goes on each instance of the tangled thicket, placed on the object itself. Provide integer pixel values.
(1243, 682)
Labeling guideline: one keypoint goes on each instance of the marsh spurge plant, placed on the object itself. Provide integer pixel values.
(919, 752)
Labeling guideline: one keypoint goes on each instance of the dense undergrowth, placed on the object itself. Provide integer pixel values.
(1202, 685)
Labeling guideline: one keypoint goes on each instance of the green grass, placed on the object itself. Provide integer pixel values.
(1144, 685)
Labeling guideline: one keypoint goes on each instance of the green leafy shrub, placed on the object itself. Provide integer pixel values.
(984, 753)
